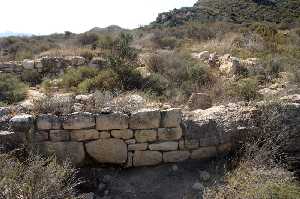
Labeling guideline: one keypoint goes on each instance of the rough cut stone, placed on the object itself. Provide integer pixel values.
(108, 151)
(113, 121)
(47, 122)
(40, 136)
(191, 144)
(176, 156)
(104, 135)
(209, 141)
(73, 151)
(59, 135)
(199, 101)
(164, 146)
(122, 134)
(79, 121)
(204, 153)
(138, 147)
(83, 135)
(181, 144)
(22, 122)
(147, 158)
(171, 117)
(166, 134)
(145, 119)
(146, 135)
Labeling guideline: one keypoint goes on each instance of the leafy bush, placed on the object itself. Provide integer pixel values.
(11, 89)
(105, 80)
(244, 89)
(73, 77)
(36, 178)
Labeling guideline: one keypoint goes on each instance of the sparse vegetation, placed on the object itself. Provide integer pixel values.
(11, 89)
(37, 178)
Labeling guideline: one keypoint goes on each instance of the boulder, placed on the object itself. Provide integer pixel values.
(145, 119)
(22, 122)
(169, 134)
(147, 158)
(164, 146)
(291, 98)
(171, 117)
(73, 151)
(113, 121)
(112, 151)
(79, 121)
(47, 122)
(76, 60)
(145, 135)
(28, 64)
(199, 101)
(175, 156)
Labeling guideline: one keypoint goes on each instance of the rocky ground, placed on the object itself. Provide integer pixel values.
(170, 181)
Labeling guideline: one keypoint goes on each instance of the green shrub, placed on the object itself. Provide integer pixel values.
(11, 89)
(155, 84)
(88, 39)
(73, 77)
(106, 80)
(244, 89)
(37, 178)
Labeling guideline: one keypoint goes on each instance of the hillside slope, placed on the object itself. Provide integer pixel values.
(239, 11)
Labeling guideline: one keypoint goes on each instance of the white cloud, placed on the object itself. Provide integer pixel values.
(48, 16)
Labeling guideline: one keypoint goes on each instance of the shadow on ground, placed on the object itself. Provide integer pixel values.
(171, 181)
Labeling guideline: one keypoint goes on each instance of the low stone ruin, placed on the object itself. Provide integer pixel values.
(144, 138)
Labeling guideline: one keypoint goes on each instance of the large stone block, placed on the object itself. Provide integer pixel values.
(122, 134)
(113, 121)
(191, 144)
(147, 158)
(164, 146)
(145, 119)
(166, 134)
(104, 135)
(204, 153)
(59, 135)
(224, 148)
(176, 156)
(138, 147)
(171, 118)
(112, 151)
(73, 151)
(28, 64)
(79, 121)
(145, 135)
(47, 122)
(40, 136)
(84, 135)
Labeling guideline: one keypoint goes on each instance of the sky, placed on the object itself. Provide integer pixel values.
(57, 16)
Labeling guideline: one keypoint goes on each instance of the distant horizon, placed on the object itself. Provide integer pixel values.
(56, 16)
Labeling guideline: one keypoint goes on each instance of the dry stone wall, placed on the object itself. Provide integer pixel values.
(48, 65)
(143, 138)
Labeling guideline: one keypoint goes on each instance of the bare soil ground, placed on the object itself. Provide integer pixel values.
(170, 181)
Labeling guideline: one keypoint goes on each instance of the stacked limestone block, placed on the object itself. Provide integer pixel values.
(144, 138)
